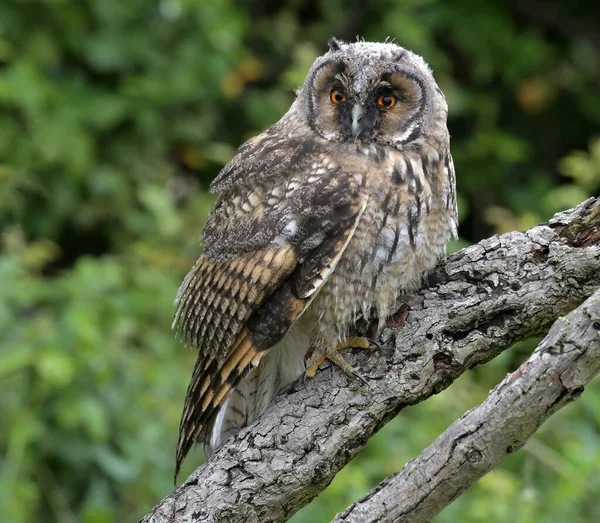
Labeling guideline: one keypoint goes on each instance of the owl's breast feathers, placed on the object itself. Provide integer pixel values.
(410, 215)
(293, 206)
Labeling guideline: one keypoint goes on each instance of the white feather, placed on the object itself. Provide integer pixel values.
(280, 366)
(215, 437)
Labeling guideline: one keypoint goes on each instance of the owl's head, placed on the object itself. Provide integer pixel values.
(372, 93)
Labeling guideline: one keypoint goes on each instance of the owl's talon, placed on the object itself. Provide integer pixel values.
(317, 358)
(374, 343)
(360, 377)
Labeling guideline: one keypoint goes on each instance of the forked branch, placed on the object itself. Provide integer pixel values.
(556, 373)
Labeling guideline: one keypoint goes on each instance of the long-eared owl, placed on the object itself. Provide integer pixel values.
(327, 216)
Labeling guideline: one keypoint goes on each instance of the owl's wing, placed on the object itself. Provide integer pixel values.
(268, 250)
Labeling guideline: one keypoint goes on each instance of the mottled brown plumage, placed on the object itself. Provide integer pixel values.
(327, 216)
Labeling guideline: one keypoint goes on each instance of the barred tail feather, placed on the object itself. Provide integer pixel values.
(210, 388)
(280, 365)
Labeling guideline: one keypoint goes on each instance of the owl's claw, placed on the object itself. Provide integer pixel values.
(374, 344)
(317, 357)
(360, 377)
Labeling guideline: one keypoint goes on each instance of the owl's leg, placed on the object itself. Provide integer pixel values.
(320, 351)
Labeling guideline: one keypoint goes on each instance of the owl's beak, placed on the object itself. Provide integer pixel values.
(358, 113)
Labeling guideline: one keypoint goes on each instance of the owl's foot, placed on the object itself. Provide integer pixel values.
(318, 356)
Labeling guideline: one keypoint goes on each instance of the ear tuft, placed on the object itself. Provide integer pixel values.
(334, 44)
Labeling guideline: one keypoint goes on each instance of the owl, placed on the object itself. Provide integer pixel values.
(324, 218)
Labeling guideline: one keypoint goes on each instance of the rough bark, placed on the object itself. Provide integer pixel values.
(563, 363)
(476, 304)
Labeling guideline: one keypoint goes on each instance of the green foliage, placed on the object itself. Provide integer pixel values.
(115, 116)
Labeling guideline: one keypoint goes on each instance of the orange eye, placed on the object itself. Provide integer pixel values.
(387, 100)
(337, 97)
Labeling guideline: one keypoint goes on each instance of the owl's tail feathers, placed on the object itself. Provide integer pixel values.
(237, 412)
(209, 388)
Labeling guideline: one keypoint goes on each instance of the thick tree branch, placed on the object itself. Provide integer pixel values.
(563, 363)
(475, 305)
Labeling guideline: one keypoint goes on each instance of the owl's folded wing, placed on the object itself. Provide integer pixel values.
(267, 253)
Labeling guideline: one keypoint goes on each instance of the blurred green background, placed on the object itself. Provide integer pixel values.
(115, 116)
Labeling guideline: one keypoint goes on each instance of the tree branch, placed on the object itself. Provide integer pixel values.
(479, 302)
(563, 363)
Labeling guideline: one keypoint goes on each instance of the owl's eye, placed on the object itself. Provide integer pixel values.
(387, 100)
(337, 97)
